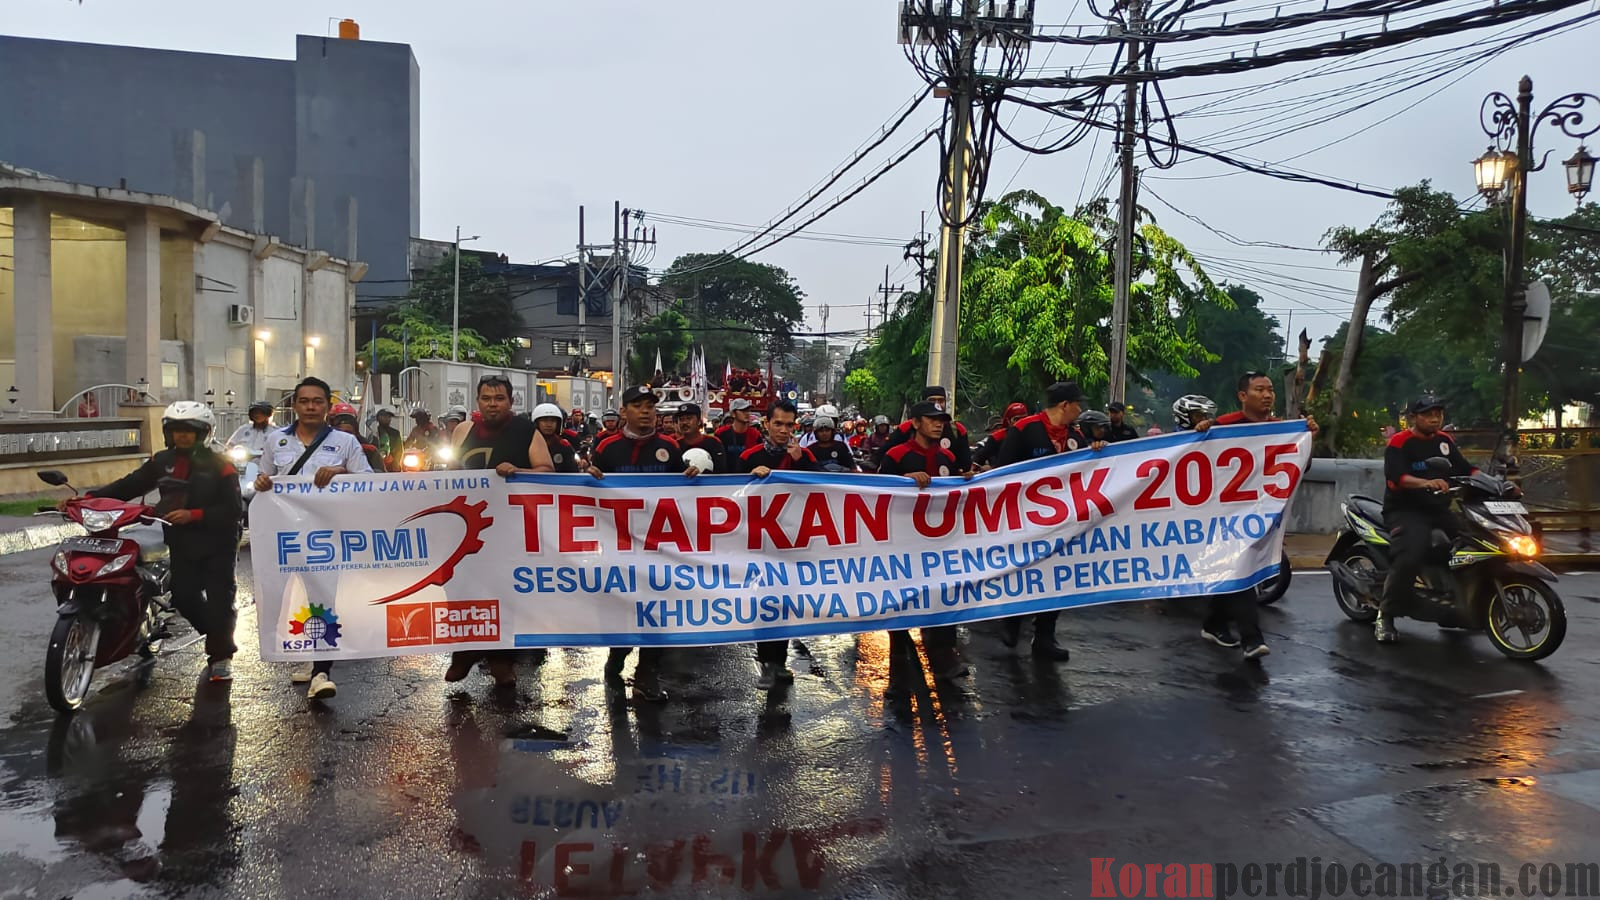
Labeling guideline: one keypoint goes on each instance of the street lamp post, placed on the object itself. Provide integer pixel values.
(1505, 121)
(455, 319)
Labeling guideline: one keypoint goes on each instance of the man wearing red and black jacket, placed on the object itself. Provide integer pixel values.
(779, 451)
(985, 453)
(637, 447)
(955, 439)
(922, 459)
(1415, 502)
(1044, 433)
(1257, 398)
(739, 435)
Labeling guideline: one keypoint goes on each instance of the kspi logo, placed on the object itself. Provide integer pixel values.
(312, 625)
(446, 622)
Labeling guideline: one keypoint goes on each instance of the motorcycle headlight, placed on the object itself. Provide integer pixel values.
(60, 562)
(1522, 544)
(115, 565)
(446, 453)
(411, 460)
(238, 454)
(97, 519)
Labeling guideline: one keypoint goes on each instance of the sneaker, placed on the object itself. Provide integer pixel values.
(768, 678)
(1221, 635)
(1257, 650)
(322, 687)
(221, 670)
(459, 669)
(1384, 631)
(301, 674)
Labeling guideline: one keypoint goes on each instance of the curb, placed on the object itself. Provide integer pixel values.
(37, 536)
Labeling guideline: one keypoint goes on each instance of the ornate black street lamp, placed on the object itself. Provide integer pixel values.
(1512, 124)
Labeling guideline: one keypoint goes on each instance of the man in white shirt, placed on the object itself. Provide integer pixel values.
(254, 434)
(312, 445)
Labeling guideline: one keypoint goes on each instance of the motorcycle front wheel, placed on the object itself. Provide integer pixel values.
(1272, 590)
(69, 661)
(1355, 605)
(1527, 620)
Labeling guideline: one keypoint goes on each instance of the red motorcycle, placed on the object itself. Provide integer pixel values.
(112, 593)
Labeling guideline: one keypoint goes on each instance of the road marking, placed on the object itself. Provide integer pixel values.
(1496, 694)
(38, 536)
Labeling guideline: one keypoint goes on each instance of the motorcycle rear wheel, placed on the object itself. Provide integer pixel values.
(1272, 590)
(1518, 603)
(69, 661)
(1360, 561)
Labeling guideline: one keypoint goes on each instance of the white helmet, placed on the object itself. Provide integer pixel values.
(191, 413)
(824, 422)
(700, 459)
(829, 410)
(547, 411)
(1190, 409)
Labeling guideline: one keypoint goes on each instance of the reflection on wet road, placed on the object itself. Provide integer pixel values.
(860, 780)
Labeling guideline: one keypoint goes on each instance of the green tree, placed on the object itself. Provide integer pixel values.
(898, 357)
(862, 386)
(1565, 369)
(487, 305)
(719, 291)
(811, 363)
(1237, 340)
(411, 337)
(667, 333)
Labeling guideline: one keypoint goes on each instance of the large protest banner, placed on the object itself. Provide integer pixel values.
(386, 565)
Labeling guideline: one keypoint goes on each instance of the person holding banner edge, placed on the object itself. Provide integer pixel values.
(778, 450)
(312, 442)
(637, 447)
(508, 444)
(1050, 431)
(1257, 398)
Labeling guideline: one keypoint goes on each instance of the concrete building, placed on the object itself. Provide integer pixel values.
(108, 286)
(302, 148)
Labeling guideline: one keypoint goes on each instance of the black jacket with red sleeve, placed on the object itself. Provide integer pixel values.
(909, 457)
(759, 455)
(620, 454)
(1029, 438)
(955, 440)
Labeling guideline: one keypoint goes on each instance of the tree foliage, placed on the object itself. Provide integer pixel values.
(412, 338)
(719, 291)
(419, 325)
(667, 333)
(862, 388)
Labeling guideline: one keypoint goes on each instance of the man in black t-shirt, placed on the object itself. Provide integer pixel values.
(508, 444)
(638, 448)
(1120, 429)
(692, 434)
(922, 459)
(778, 451)
(832, 454)
(1415, 501)
(738, 434)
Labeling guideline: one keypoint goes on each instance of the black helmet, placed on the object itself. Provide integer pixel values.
(1427, 402)
(1093, 418)
(260, 406)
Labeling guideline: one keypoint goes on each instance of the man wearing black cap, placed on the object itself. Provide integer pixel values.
(738, 435)
(922, 459)
(955, 439)
(637, 447)
(1120, 429)
(1415, 502)
(692, 433)
(778, 450)
(1044, 433)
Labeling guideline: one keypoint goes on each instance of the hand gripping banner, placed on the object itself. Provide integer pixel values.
(385, 565)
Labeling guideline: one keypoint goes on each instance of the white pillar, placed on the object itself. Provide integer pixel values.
(144, 301)
(32, 313)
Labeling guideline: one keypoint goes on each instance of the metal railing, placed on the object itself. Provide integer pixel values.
(101, 401)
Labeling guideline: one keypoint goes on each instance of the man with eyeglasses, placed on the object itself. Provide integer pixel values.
(508, 444)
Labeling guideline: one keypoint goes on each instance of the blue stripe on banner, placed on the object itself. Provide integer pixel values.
(819, 627)
(1124, 448)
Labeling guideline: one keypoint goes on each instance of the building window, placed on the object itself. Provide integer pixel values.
(169, 375)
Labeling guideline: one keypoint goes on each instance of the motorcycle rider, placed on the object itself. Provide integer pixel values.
(873, 446)
(344, 417)
(425, 432)
(387, 439)
(1415, 501)
(199, 498)
(254, 434)
(832, 454)
(311, 444)
(548, 420)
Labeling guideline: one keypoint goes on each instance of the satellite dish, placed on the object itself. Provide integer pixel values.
(1536, 319)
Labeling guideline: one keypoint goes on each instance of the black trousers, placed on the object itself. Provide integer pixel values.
(775, 652)
(203, 588)
(1240, 609)
(1410, 540)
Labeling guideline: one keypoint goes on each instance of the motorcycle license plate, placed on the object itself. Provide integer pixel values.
(91, 545)
(1505, 507)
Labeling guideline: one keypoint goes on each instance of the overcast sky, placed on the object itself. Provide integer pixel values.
(730, 110)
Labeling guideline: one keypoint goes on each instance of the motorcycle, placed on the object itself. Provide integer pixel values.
(112, 591)
(247, 462)
(1488, 578)
(1272, 590)
(427, 459)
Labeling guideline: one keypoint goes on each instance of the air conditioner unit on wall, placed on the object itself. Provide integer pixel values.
(239, 314)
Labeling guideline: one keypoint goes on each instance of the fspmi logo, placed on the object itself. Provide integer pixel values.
(448, 622)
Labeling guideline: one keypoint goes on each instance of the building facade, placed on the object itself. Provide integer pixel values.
(304, 149)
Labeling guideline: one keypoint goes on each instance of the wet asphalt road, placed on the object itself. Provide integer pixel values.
(1150, 746)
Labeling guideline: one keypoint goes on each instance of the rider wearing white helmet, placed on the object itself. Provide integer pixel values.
(199, 498)
(547, 418)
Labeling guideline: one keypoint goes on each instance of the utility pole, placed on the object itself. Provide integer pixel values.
(886, 289)
(619, 254)
(455, 318)
(959, 36)
(1125, 212)
(583, 293)
(822, 377)
(917, 249)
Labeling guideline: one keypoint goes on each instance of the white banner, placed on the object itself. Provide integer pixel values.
(386, 565)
